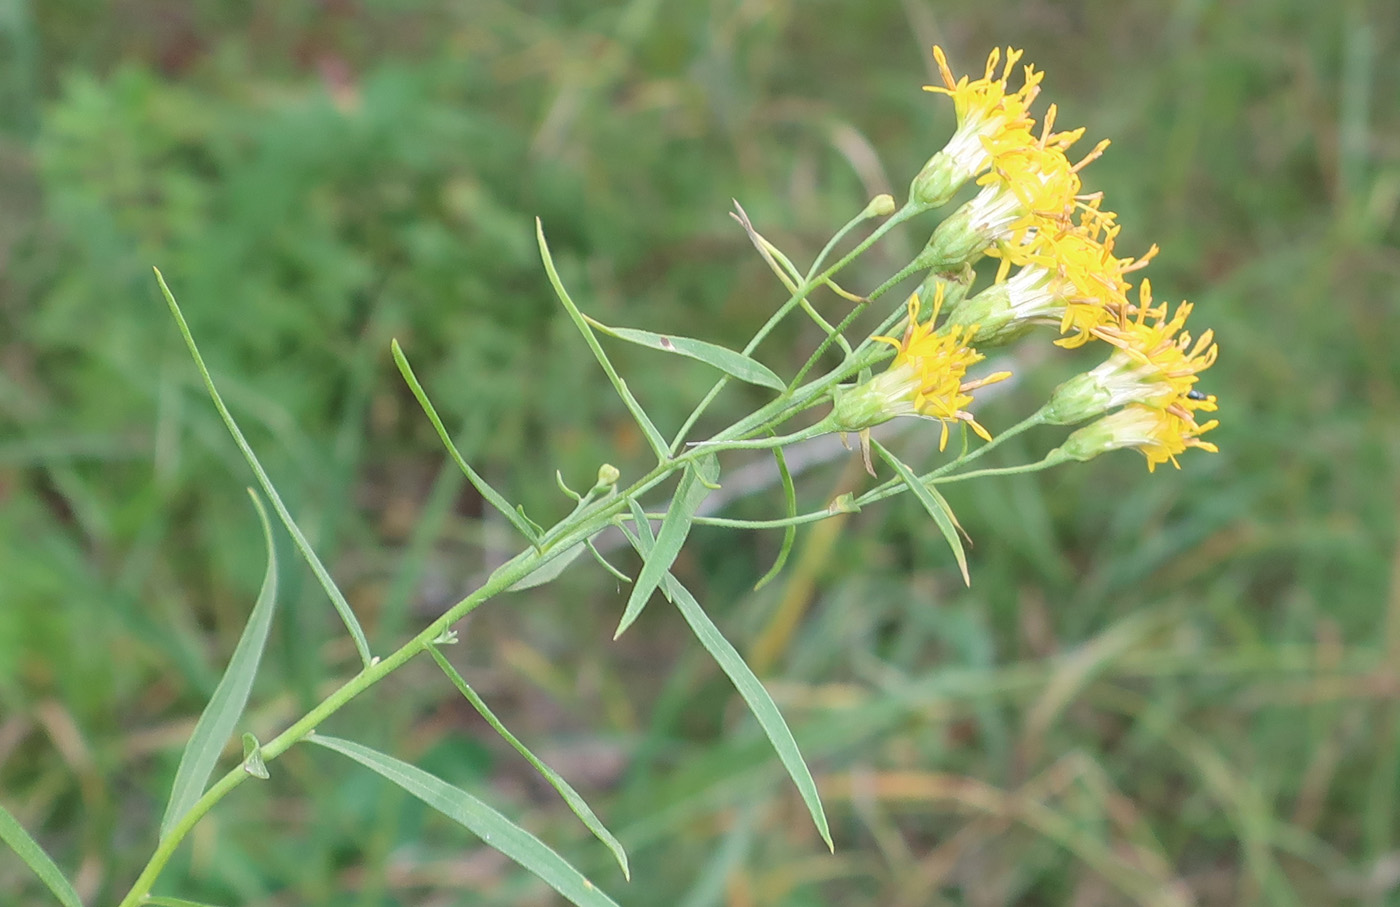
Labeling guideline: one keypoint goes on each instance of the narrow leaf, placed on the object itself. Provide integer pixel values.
(643, 528)
(342, 607)
(734, 364)
(658, 444)
(694, 485)
(18, 840)
(483, 487)
(934, 503)
(161, 900)
(752, 690)
(789, 533)
(478, 818)
(220, 716)
(603, 562)
(571, 796)
(556, 560)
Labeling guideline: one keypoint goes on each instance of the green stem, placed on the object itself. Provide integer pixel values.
(1053, 458)
(583, 525)
(892, 487)
(806, 287)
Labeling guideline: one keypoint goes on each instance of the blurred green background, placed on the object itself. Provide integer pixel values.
(1167, 689)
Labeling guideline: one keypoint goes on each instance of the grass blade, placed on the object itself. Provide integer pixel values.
(571, 796)
(658, 444)
(219, 718)
(764, 709)
(695, 484)
(736, 365)
(934, 503)
(160, 900)
(478, 818)
(496, 499)
(342, 607)
(18, 840)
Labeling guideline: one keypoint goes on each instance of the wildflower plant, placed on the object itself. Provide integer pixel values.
(1056, 278)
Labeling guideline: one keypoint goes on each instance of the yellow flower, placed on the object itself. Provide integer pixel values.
(1086, 275)
(925, 379)
(1161, 435)
(1070, 279)
(991, 119)
(1031, 192)
(1155, 364)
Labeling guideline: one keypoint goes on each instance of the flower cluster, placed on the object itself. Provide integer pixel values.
(1057, 266)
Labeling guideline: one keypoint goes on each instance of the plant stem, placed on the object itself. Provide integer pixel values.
(572, 530)
(806, 287)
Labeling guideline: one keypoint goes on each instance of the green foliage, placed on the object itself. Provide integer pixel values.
(1176, 681)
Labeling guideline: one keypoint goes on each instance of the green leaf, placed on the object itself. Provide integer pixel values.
(658, 444)
(496, 499)
(934, 503)
(789, 533)
(736, 365)
(253, 762)
(751, 689)
(571, 796)
(161, 900)
(14, 835)
(478, 818)
(603, 562)
(342, 607)
(220, 716)
(554, 562)
(694, 485)
(643, 528)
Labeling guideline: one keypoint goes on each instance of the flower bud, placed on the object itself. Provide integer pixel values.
(608, 475)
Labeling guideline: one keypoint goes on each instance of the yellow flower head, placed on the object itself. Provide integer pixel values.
(1161, 435)
(1038, 173)
(1155, 366)
(1031, 192)
(991, 119)
(1161, 352)
(925, 378)
(1070, 279)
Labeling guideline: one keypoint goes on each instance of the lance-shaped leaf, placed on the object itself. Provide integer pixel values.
(220, 716)
(556, 561)
(494, 497)
(556, 781)
(658, 444)
(478, 818)
(695, 484)
(736, 365)
(342, 607)
(18, 840)
(934, 503)
(764, 709)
